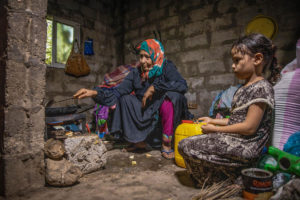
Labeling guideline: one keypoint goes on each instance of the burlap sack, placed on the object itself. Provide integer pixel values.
(76, 64)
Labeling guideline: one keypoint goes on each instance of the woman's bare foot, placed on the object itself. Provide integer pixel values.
(135, 146)
(167, 151)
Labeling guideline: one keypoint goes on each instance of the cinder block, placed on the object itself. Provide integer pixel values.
(70, 5)
(165, 3)
(192, 69)
(280, 39)
(191, 96)
(188, 56)
(224, 22)
(88, 12)
(172, 32)
(291, 21)
(130, 58)
(221, 36)
(37, 33)
(36, 85)
(192, 28)
(197, 40)
(284, 57)
(213, 53)
(15, 83)
(137, 22)
(222, 79)
(132, 14)
(34, 7)
(14, 140)
(37, 126)
(195, 83)
(172, 46)
(225, 5)
(72, 88)
(204, 100)
(172, 10)
(131, 34)
(147, 30)
(211, 66)
(169, 22)
(55, 86)
(23, 173)
(201, 13)
(19, 27)
(100, 26)
(202, 97)
(243, 18)
(203, 54)
(89, 78)
(156, 14)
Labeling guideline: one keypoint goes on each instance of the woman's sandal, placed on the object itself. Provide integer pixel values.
(168, 152)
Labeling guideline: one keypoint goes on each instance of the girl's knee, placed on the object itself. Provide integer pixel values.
(182, 145)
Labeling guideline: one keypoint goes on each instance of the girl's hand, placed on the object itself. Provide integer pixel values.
(148, 94)
(209, 128)
(83, 93)
(207, 120)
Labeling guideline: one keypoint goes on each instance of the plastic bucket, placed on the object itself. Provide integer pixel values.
(256, 181)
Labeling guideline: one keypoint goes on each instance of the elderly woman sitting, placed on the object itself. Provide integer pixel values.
(158, 91)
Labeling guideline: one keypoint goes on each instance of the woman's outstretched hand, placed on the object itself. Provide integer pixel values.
(83, 93)
(148, 94)
(207, 120)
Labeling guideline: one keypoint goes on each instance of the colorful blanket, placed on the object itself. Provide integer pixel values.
(115, 77)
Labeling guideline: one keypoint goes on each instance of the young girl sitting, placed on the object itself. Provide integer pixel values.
(228, 145)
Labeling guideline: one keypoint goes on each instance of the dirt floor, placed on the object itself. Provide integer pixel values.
(153, 177)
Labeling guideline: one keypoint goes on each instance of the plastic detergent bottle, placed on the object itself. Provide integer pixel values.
(188, 128)
(285, 162)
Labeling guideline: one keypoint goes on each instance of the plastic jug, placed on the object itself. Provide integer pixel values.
(285, 162)
(186, 129)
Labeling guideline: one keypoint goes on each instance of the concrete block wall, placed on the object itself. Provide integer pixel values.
(197, 36)
(22, 54)
(95, 19)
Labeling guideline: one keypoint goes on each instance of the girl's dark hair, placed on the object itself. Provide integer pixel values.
(258, 43)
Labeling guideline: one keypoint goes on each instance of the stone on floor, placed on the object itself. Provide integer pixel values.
(87, 152)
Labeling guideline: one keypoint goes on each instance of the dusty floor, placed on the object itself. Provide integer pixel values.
(153, 177)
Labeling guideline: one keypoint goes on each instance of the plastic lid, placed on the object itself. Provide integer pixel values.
(187, 121)
(264, 25)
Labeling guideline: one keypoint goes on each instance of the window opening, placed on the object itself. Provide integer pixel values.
(60, 36)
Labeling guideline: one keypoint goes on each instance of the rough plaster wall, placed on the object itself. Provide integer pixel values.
(22, 56)
(197, 36)
(95, 19)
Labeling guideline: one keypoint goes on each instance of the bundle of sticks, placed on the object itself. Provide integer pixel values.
(221, 190)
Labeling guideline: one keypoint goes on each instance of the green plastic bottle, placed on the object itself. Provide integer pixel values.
(285, 162)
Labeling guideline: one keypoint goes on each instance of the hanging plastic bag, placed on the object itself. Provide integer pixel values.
(76, 64)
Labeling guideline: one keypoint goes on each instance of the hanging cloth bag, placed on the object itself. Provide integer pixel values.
(76, 64)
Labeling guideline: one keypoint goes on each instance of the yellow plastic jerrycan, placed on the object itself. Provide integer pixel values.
(187, 129)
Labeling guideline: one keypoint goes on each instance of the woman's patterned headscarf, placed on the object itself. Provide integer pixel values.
(157, 54)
